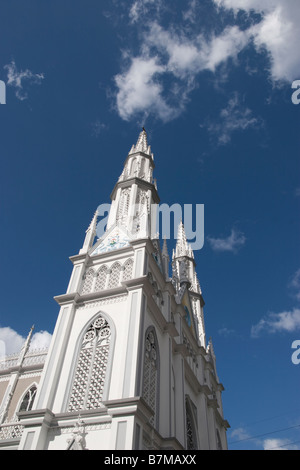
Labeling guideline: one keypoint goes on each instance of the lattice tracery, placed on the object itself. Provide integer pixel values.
(91, 367)
(114, 278)
(101, 279)
(150, 378)
(191, 439)
(127, 274)
(124, 205)
(88, 282)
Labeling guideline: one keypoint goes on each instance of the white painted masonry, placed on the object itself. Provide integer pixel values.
(128, 366)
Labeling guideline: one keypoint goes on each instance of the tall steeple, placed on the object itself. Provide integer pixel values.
(183, 263)
(128, 366)
(135, 194)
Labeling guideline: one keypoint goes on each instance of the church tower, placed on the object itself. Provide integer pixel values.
(129, 366)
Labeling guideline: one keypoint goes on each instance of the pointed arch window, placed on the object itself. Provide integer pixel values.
(133, 166)
(90, 372)
(151, 374)
(127, 274)
(114, 278)
(191, 426)
(27, 402)
(124, 205)
(88, 282)
(142, 169)
(101, 279)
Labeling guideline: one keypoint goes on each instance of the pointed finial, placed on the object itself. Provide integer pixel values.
(93, 223)
(210, 347)
(165, 247)
(182, 248)
(142, 144)
(25, 346)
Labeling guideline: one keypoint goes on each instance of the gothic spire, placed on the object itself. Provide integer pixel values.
(183, 262)
(183, 248)
(25, 346)
(142, 144)
(90, 234)
(93, 223)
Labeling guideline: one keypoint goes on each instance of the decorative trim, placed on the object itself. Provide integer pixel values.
(98, 303)
(57, 430)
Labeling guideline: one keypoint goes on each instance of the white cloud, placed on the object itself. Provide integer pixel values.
(239, 434)
(40, 340)
(278, 444)
(17, 78)
(140, 92)
(189, 56)
(232, 243)
(139, 8)
(226, 332)
(171, 56)
(12, 342)
(190, 13)
(180, 54)
(288, 321)
(234, 117)
(278, 32)
(247, 5)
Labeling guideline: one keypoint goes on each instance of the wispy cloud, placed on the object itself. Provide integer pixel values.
(140, 9)
(226, 332)
(235, 117)
(139, 91)
(239, 434)
(97, 128)
(159, 79)
(278, 27)
(288, 321)
(294, 285)
(232, 243)
(279, 444)
(171, 56)
(17, 79)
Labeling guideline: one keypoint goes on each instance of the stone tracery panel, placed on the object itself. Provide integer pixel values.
(90, 372)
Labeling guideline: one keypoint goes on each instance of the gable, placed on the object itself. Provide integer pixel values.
(113, 239)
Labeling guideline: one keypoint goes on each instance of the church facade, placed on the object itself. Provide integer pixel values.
(129, 366)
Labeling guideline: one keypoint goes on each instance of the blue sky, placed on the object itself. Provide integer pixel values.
(211, 82)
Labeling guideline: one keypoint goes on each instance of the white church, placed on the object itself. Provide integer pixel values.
(129, 366)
